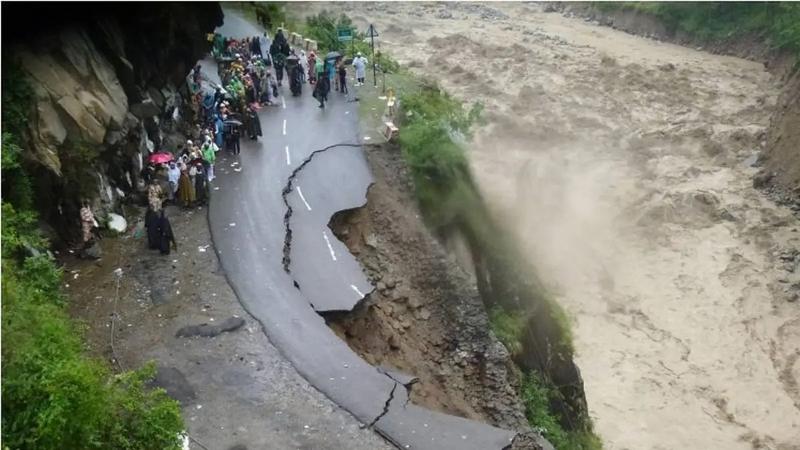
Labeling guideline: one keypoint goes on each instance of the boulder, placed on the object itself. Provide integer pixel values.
(83, 121)
(48, 133)
(117, 223)
(146, 109)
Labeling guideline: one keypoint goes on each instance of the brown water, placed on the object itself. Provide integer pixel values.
(621, 163)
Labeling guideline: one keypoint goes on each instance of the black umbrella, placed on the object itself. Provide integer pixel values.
(332, 55)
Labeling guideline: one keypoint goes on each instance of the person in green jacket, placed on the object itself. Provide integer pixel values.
(209, 151)
(319, 68)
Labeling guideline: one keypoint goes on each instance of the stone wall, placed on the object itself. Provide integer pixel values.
(109, 85)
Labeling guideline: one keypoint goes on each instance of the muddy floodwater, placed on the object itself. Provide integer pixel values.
(624, 166)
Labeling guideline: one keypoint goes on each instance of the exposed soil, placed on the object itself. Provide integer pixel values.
(235, 389)
(625, 167)
(426, 317)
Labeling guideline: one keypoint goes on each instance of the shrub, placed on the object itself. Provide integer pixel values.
(53, 395)
(537, 396)
(508, 328)
(323, 29)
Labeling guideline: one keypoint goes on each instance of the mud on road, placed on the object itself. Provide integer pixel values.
(235, 388)
(624, 166)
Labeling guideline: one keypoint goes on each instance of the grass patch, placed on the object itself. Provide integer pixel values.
(777, 23)
(538, 396)
(508, 328)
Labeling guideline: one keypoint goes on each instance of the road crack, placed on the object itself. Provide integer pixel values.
(287, 241)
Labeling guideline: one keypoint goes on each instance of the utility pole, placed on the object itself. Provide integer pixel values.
(373, 33)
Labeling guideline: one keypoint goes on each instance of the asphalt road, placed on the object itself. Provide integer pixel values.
(247, 222)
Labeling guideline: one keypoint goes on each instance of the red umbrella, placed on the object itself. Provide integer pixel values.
(160, 158)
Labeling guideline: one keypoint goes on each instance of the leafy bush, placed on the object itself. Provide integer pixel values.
(53, 395)
(323, 29)
(434, 124)
(537, 396)
(508, 328)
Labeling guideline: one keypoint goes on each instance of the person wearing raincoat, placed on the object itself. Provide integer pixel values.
(360, 63)
(253, 123)
(218, 45)
(279, 50)
(209, 151)
(219, 133)
(166, 237)
(312, 67)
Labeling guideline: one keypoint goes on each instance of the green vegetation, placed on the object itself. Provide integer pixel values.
(53, 395)
(538, 396)
(508, 328)
(778, 23)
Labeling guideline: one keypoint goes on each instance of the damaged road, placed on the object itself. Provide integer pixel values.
(321, 265)
(246, 220)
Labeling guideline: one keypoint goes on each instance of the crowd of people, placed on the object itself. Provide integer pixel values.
(251, 72)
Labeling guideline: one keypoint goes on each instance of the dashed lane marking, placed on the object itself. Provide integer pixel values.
(327, 241)
(288, 157)
(304, 201)
(283, 102)
(357, 291)
(284, 127)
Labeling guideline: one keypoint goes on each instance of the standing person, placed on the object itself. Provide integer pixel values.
(209, 151)
(254, 123)
(88, 221)
(312, 67)
(219, 134)
(360, 63)
(200, 185)
(319, 69)
(173, 175)
(186, 189)
(264, 44)
(235, 140)
(155, 195)
(303, 65)
(166, 237)
(279, 50)
(321, 90)
(255, 47)
(151, 224)
(343, 77)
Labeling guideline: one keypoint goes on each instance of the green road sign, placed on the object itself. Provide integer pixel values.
(344, 34)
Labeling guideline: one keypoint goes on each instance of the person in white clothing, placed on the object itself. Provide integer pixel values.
(360, 63)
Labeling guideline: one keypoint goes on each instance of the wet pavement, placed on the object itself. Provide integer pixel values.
(247, 220)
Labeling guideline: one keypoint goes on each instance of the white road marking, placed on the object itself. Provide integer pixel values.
(288, 157)
(283, 102)
(327, 241)
(357, 291)
(284, 127)
(303, 199)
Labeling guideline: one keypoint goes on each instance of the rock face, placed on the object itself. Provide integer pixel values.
(106, 81)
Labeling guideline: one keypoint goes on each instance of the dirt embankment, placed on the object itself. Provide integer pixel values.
(426, 316)
(781, 158)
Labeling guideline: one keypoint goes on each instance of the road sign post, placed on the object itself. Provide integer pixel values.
(373, 33)
(344, 34)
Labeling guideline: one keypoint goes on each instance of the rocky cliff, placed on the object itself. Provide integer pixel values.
(108, 87)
